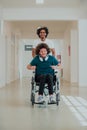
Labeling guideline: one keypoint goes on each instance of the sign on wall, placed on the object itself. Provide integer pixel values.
(28, 47)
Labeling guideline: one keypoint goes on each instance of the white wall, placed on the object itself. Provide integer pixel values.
(82, 67)
(58, 45)
(74, 52)
(74, 56)
(66, 65)
(9, 52)
(9, 46)
(71, 61)
(1, 12)
(17, 39)
(2, 62)
(2, 51)
(24, 58)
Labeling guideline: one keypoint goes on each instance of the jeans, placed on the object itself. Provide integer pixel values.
(42, 79)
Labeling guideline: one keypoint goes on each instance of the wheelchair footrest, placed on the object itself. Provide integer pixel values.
(40, 102)
(51, 103)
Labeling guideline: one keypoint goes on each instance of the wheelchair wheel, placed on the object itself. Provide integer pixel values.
(32, 92)
(57, 99)
(32, 99)
(57, 92)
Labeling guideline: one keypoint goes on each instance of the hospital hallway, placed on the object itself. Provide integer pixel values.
(17, 113)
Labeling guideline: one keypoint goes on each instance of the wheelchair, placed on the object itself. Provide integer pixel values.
(35, 89)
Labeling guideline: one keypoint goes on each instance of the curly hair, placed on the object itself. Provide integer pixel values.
(40, 46)
(42, 28)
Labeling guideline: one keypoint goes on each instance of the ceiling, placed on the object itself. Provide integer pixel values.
(29, 27)
(47, 3)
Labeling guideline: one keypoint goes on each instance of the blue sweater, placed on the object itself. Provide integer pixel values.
(44, 67)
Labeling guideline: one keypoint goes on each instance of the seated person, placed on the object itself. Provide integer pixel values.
(44, 65)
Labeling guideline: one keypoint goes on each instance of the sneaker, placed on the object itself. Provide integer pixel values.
(52, 99)
(40, 99)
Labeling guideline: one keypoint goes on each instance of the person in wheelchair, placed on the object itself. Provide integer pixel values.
(44, 66)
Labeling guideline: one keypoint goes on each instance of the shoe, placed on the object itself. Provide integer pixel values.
(52, 99)
(40, 99)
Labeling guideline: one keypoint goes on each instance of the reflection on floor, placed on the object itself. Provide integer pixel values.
(78, 106)
(16, 112)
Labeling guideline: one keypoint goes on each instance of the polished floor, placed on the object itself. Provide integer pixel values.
(17, 113)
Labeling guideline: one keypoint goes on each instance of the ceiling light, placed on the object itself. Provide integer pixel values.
(39, 1)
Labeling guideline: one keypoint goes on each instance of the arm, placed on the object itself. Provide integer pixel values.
(30, 67)
(33, 52)
(32, 64)
(52, 47)
(53, 51)
(55, 64)
(56, 67)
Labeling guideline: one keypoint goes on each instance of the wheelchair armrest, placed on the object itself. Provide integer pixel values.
(33, 72)
(56, 71)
